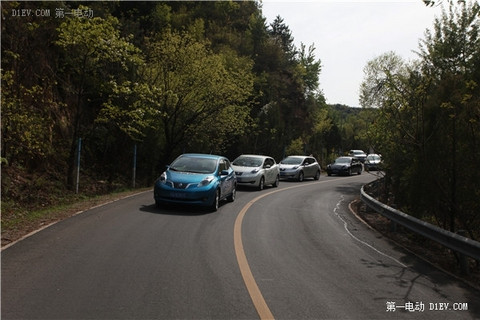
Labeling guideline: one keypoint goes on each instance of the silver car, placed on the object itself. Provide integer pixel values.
(359, 154)
(256, 171)
(299, 167)
(373, 162)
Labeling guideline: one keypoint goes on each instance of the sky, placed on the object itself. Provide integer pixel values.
(348, 34)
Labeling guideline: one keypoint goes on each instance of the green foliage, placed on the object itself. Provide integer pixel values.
(95, 48)
(170, 77)
(428, 129)
(126, 108)
(297, 146)
(193, 87)
(311, 68)
(94, 56)
(25, 125)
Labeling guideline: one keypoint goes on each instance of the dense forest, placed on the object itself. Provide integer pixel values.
(138, 83)
(162, 77)
(428, 126)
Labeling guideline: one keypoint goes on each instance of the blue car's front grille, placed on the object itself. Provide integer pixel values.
(180, 185)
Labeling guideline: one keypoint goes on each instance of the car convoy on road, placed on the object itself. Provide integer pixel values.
(205, 179)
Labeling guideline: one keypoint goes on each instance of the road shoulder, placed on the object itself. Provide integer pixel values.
(436, 255)
(28, 228)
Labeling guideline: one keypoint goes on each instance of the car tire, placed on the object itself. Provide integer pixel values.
(317, 175)
(349, 172)
(277, 182)
(216, 201)
(300, 176)
(232, 196)
(261, 184)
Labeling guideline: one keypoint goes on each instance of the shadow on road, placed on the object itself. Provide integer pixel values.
(176, 210)
(351, 190)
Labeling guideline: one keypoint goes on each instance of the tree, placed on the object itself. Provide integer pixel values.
(94, 53)
(451, 58)
(311, 69)
(194, 99)
(29, 103)
(380, 76)
(428, 128)
(282, 36)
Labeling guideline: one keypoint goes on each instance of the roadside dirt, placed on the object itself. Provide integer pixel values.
(430, 251)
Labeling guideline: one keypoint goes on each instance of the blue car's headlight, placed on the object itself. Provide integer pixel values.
(163, 178)
(206, 181)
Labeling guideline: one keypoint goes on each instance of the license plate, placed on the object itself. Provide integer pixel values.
(178, 195)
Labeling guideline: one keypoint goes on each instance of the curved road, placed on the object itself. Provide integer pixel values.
(306, 254)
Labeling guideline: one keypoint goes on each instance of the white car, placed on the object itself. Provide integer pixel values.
(373, 162)
(256, 171)
(359, 154)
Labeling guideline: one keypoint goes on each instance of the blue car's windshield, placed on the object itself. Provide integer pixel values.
(248, 162)
(194, 165)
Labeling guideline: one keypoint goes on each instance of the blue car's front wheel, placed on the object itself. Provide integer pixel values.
(232, 196)
(216, 201)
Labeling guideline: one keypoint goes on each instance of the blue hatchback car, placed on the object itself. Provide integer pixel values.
(197, 179)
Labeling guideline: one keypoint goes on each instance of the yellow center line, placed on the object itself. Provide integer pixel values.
(252, 287)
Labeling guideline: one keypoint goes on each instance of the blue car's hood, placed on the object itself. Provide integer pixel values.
(187, 177)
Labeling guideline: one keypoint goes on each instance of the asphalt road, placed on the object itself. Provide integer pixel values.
(292, 252)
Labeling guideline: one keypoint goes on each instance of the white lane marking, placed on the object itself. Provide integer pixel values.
(345, 225)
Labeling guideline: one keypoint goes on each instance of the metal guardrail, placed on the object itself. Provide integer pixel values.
(449, 239)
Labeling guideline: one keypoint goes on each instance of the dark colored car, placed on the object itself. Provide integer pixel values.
(373, 162)
(345, 166)
(299, 167)
(197, 179)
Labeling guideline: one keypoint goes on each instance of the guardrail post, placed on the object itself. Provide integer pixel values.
(79, 149)
(134, 172)
(462, 259)
(393, 226)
